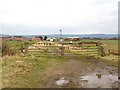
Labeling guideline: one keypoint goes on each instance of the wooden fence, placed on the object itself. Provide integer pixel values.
(63, 49)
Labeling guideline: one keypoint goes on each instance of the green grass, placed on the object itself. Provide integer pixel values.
(31, 67)
(110, 44)
(111, 60)
(17, 44)
(29, 73)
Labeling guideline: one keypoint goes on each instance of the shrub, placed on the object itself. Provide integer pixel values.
(8, 49)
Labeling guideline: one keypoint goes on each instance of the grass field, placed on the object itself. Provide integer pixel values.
(110, 44)
(17, 44)
(41, 69)
(36, 69)
(25, 71)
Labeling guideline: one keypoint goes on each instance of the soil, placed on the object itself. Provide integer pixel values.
(73, 70)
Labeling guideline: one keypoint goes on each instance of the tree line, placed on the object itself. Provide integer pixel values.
(42, 38)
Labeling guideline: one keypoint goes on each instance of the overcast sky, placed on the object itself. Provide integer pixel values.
(48, 16)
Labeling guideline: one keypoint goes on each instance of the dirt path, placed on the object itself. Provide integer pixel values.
(79, 73)
(45, 70)
(73, 71)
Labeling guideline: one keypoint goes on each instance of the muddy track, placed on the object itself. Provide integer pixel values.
(74, 70)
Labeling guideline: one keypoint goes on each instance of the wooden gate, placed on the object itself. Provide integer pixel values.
(63, 49)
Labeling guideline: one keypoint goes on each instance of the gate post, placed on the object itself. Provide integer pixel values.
(21, 48)
(62, 50)
(102, 51)
(26, 47)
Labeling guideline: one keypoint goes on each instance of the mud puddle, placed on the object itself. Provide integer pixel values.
(62, 81)
(99, 81)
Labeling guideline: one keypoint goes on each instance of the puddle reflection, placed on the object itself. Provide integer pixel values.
(62, 81)
(99, 80)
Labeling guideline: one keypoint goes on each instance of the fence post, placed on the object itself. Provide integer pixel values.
(102, 50)
(21, 48)
(26, 47)
(62, 50)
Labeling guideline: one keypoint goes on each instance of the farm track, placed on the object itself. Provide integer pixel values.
(42, 67)
(76, 71)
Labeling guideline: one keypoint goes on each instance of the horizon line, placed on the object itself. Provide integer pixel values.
(62, 34)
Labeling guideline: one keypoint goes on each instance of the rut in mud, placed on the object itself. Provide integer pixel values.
(76, 74)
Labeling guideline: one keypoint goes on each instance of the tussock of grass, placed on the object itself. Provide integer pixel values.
(111, 60)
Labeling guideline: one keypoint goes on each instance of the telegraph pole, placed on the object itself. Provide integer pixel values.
(62, 48)
(60, 34)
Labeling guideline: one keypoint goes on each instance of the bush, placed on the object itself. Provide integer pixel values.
(8, 49)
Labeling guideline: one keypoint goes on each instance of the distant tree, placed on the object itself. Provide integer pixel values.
(18, 36)
(114, 38)
(39, 37)
(8, 37)
(45, 38)
(86, 37)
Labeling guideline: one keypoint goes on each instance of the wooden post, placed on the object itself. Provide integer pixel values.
(99, 49)
(26, 47)
(62, 51)
(21, 48)
(102, 50)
